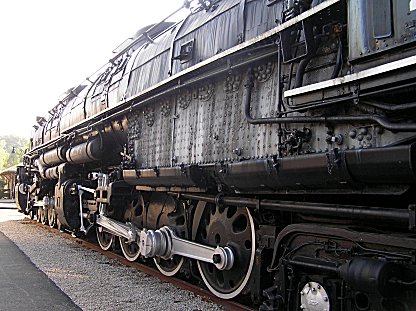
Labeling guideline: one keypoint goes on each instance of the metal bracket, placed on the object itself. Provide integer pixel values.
(288, 38)
(81, 191)
(186, 52)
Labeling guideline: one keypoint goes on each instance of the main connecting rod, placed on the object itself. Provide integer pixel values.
(165, 243)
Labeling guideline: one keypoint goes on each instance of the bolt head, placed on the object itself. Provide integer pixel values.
(363, 131)
(216, 258)
(353, 134)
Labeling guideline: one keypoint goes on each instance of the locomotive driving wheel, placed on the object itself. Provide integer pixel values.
(104, 238)
(166, 211)
(132, 214)
(232, 227)
(131, 251)
(175, 219)
(169, 267)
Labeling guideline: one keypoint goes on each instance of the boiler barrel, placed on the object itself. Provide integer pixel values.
(52, 173)
(91, 150)
(53, 157)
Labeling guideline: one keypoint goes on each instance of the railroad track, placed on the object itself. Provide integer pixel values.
(226, 304)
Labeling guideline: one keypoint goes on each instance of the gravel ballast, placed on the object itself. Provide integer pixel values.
(93, 281)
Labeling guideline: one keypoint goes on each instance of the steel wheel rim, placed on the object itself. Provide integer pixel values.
(214, 288)
(169, 267)
(131, 251)
(105, 239)
(175, 219)
(31, 214)
(39, 215)
(45, 216)
(51, 218)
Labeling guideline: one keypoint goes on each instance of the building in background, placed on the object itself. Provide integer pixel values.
(7, 182)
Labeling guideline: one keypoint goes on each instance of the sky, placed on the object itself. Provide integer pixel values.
(48, 46)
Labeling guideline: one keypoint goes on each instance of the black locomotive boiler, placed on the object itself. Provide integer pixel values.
(264, 147)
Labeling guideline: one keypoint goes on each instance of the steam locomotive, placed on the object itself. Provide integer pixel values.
(263, 147)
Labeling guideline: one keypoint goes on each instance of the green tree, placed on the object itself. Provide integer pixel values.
(12, 149)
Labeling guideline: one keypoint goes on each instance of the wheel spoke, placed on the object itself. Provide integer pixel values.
(130, 251)
(172, 215)
(232, 227)
(169, 267)
(105, 239)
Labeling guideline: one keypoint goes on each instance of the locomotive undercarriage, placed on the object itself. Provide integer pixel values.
(280, 255)
(267, 248)
(158, 226)
(358, 267)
